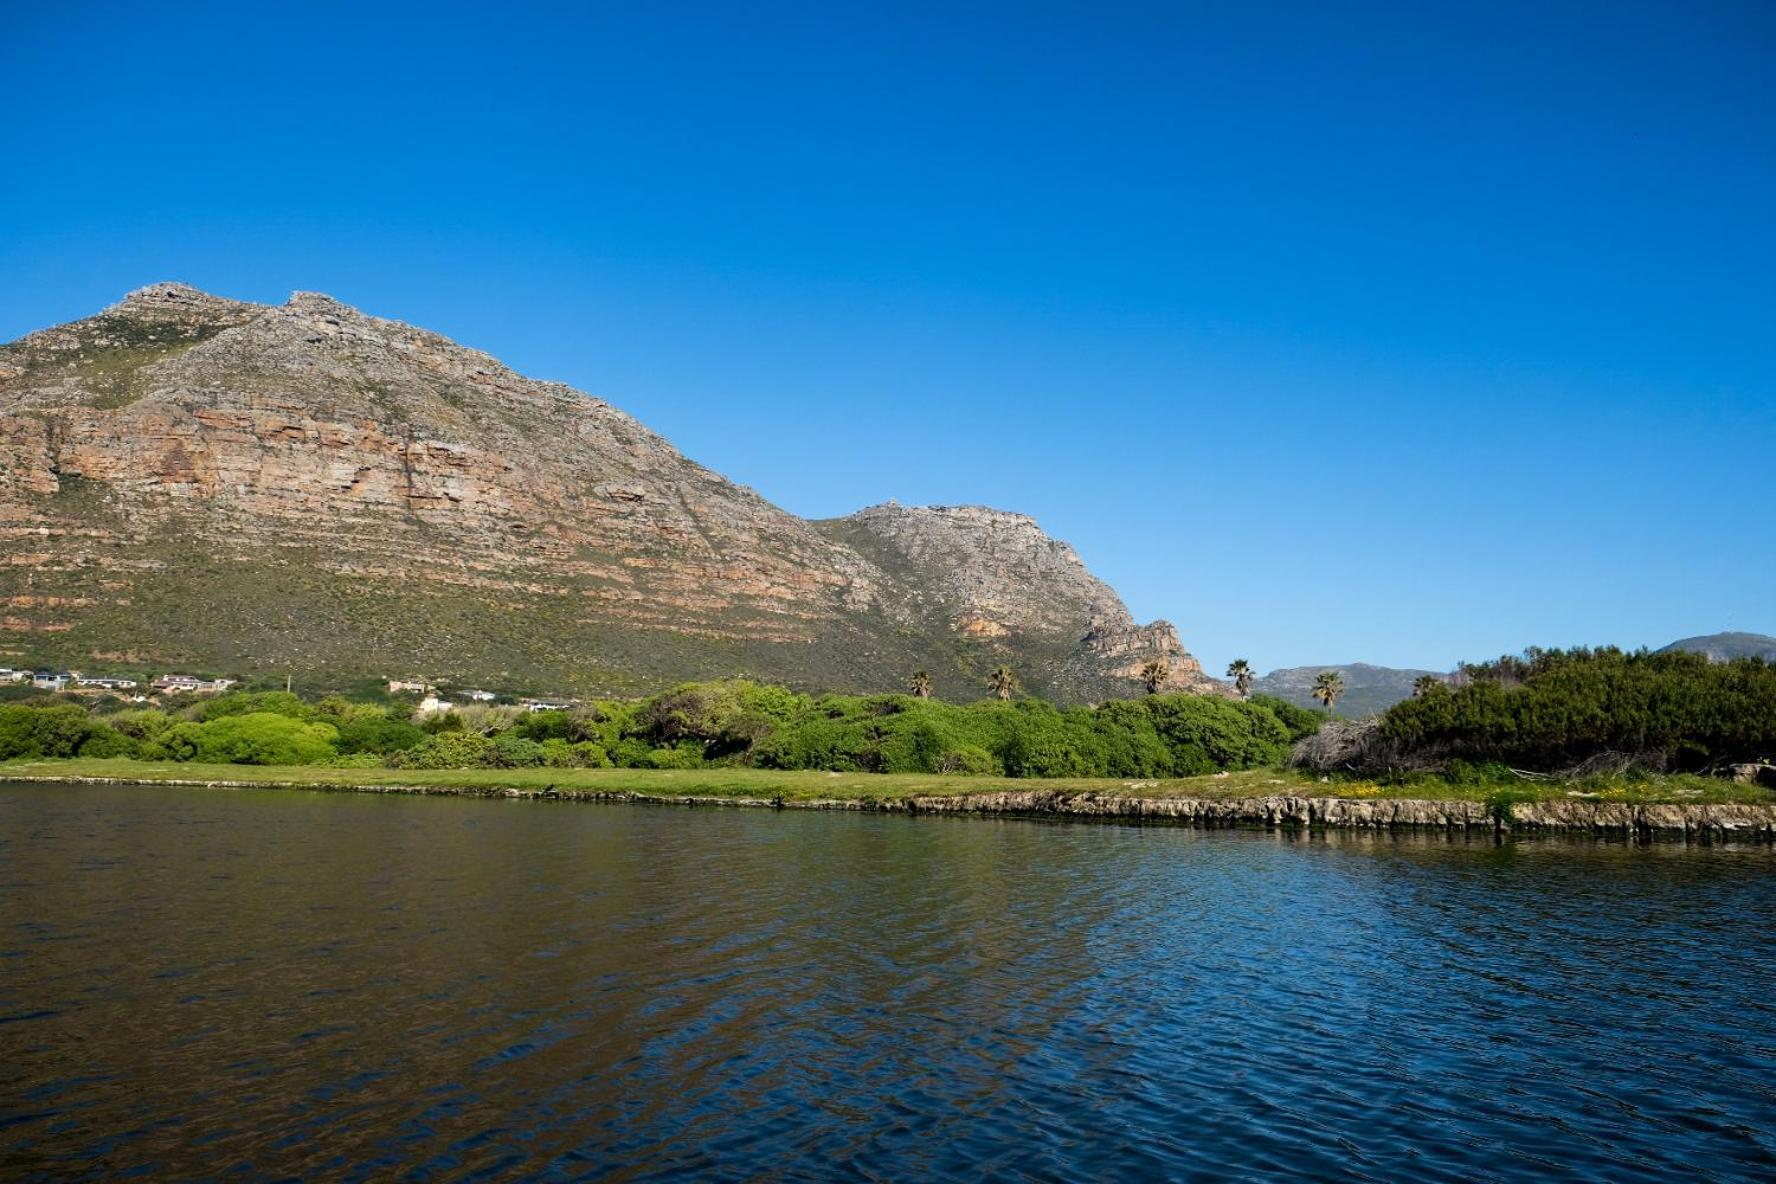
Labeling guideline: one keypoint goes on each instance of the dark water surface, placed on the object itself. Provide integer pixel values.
(272, 984)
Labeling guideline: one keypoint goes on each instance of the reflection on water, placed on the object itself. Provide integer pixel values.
(273, 984)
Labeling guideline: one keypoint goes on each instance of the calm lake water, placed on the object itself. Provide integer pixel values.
(263, 984)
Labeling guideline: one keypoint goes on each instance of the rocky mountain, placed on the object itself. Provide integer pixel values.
(1367, 689)
(192, 481)
(1723, 647)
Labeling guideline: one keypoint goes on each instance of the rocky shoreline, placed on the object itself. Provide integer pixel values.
(1699, 822)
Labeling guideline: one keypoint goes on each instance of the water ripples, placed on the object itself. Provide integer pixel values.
(266, 984)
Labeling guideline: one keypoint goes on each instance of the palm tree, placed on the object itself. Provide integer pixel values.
(1154, 675)
(1328, 687)
(922, 684)
(1003, 682)
(1240, 671)
(1424, 684)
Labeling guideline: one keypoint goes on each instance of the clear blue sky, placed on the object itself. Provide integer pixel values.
(1401, 333)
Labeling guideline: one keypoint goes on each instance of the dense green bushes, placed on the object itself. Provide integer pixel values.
(1553, 709)
(1300, 721)
(62, 730)
(255, 738)
(694, 725)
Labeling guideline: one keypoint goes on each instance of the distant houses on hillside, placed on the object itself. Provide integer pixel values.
(177, 684)
(432, 699)
(63, 680)
(435, 699)
(107, 684)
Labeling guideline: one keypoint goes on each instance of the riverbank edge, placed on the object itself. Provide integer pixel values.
(1700, 821)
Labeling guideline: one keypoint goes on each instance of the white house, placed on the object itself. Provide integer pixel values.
(109, 684)
(546, 704)
(8, 674)
(432, 705)
(402, 686)
(173, 684)
(50, 680)
(479, 696)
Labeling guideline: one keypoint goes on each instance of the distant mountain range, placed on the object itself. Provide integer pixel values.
(1371, 689)
(1723, 647)
(1367, 689)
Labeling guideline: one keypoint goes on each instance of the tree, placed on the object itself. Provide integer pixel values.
(922, 684)
(1425, 684)
(1328, 687)
(1154, 675)
(1240, 671)
(1003, 682)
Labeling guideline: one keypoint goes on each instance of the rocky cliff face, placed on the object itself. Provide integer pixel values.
(995, 577)
(191, 480)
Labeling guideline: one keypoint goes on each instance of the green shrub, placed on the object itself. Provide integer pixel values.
(1554, 709)
(377, 733)
(509, 750)
(545, 725)
(102, 743)
(631, 753)
(723, 718)
(145, 724)
(52, 731)
(967, 760)
(1300, 721)
(251, 703)
(256, 738)
(446, 750)
(685, 757)
(1131, 742)
(1206, 733)
(589, 754)
(566, 754)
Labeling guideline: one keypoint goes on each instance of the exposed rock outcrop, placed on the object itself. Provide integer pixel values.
(996, 577)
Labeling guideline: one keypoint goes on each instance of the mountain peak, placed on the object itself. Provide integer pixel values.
(319, 304)
(1722, 647)
(170, 299)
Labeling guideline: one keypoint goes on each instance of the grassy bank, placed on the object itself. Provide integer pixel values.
(798, 786)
